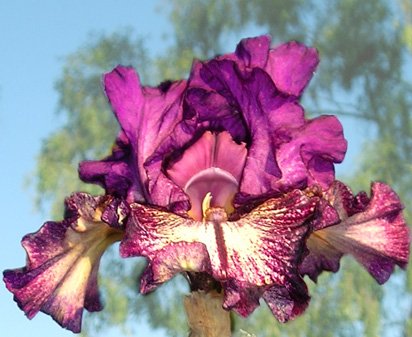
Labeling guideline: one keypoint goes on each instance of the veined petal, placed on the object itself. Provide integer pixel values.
(261, 249)
(173, 259)
(60, 277)
(374, 232)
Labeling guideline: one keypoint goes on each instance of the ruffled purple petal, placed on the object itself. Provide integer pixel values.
(373, 231)
(286, 151)
(115, 173)
(251, 93)
(291, 66)
(254, 52)
(147, 116)
(261, 249)
(213, 112)
(311, 152)
(60, 277)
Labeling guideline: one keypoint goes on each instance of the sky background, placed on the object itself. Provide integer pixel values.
(35, 36)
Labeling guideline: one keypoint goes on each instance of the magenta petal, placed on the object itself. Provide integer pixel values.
(115, 173)
(123, 89)
(214, 112)
(60, 277)
(311, 152)
(291, 66)
(241, 297)
(252, 94)
(254, 51)
(147, 117)
(286, 151)
(287, 302)
(144, 113)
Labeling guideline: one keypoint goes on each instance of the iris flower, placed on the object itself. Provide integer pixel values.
(220, 177)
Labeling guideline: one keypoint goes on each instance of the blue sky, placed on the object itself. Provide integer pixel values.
(34, 38)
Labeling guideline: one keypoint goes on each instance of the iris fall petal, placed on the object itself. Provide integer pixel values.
(373, 231)
(260, 249)
(60, 277)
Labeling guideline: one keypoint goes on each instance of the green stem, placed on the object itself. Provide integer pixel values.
(206, 317)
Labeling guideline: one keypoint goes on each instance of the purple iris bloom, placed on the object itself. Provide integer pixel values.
(220, 177)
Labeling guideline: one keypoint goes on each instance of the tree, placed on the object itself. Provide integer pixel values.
(364, 48)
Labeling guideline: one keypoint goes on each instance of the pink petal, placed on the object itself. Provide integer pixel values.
(213, 164)
(311, 152)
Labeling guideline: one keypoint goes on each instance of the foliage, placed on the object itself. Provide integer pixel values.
(365, 48)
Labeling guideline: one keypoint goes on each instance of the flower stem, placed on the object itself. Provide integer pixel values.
(206, 317)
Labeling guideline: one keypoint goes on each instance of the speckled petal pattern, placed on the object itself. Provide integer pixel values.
(372, 230)
(260, 249)
(60, 277)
